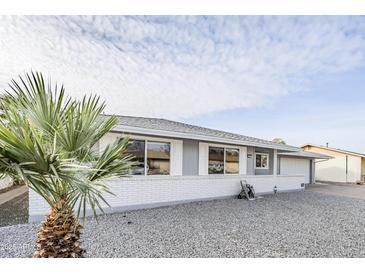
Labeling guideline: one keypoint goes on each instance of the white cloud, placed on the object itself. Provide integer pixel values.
(181, 66)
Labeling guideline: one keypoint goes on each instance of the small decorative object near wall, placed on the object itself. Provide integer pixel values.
(275, 189)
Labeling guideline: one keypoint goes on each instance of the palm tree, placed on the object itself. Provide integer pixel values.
(50, 142)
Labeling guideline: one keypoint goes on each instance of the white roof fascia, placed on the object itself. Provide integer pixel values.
(309, 156)
(184, 135)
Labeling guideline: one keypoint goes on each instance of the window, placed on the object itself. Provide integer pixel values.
(158, 158)
(151, 158)
(216, 160)
(223, 160)
(137, 149)
(262, 161)
(232, 161)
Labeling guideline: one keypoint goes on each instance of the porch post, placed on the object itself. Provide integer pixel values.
(275, 161)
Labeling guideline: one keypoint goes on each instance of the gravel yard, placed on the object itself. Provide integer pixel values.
(300, 224)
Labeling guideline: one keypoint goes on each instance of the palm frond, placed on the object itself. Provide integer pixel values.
(47, 139)
(113, 162)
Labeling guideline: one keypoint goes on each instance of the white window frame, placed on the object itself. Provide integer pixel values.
(268, 160)
(224, 159)
(152, 140)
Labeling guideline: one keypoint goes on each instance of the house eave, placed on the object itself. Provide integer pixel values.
(299, 155)
(183, 135)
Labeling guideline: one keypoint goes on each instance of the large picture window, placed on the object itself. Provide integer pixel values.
(151, 158)
(232, 161)
(137, 149)
(158, 158)
(223, 160)
(216, 160)
(262, 160)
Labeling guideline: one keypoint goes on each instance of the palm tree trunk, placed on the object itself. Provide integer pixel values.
(59, 235)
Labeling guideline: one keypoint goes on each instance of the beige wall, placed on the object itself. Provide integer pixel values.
(334, 170)
(324, 151)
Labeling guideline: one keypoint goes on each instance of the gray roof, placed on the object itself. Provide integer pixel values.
(305, 154)
(182, 130)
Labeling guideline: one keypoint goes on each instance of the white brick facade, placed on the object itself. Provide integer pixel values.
(150, 191)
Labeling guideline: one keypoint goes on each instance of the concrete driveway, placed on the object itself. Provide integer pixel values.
(12, 194)
(339, 189)
(14, 206)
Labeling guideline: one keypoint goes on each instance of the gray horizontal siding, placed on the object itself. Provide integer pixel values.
(190, 157)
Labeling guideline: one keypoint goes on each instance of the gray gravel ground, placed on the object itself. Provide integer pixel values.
(301, 224)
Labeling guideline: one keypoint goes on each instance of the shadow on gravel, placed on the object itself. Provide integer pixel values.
(15, 211)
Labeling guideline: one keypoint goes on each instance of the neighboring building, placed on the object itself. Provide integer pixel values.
(178, 163)
(345, 166)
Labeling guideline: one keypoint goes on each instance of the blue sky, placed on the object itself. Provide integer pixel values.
(298, 78)
(331, 111)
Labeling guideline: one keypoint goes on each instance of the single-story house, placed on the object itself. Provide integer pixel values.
(344, 166)
(179, 162)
